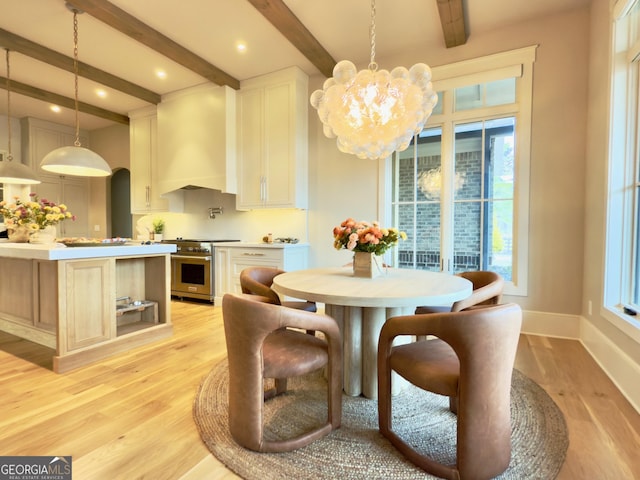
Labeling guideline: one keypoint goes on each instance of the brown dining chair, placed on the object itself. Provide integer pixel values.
(471, 362)
(259, 346)
(258, 281)
(487, 290)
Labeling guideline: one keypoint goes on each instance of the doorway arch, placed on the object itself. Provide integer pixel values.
(121, 220)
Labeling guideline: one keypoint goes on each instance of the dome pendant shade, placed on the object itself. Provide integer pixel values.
(75, 160)
(16, 174)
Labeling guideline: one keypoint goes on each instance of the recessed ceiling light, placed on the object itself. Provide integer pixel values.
(55, 108)
(101, 93)
(161, 74)
(241, 47)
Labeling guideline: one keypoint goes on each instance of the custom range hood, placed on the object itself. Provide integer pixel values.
(197, 139)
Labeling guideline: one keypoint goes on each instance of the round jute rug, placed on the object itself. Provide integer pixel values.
(357, 450)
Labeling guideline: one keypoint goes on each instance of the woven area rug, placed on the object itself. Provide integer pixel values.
(357, 450)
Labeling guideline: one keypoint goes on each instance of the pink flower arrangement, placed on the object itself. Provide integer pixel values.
(33, 214)
(365, 237)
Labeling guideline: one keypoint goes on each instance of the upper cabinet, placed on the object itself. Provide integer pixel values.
(145, 197)
(273, 141)
(197, 139)
(40, 137)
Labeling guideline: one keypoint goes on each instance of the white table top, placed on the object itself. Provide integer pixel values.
(397, 288)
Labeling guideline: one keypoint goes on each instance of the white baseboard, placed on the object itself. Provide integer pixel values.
(616, 364)
(558, 325)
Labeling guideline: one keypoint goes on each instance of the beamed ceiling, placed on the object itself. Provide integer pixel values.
(123, 42)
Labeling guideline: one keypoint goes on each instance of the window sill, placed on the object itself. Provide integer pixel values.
(629, 324)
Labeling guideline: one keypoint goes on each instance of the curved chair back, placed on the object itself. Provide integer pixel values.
(487, 289)
(259, 345)
(471, 361)
(258, 281)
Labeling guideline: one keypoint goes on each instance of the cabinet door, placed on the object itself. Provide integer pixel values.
(44, 141)
(278, 163)
(144, 196)
(84, 323)
(242, 258)
(251, 189)
(74, 193)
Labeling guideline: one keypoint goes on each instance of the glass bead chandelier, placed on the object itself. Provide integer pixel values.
(374, 112)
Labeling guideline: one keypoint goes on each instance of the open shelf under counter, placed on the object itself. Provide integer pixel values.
(73, 292)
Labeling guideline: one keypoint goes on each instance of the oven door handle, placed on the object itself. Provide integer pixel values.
(191, 257)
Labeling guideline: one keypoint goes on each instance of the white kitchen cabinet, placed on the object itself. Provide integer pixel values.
(231, 260)
(74, 193)
(40, 137)
(145, 196)
(273, 141)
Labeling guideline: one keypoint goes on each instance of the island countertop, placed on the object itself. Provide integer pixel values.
(58, 251)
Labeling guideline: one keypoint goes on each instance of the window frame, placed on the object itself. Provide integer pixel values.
(622, 240)
(513, 63)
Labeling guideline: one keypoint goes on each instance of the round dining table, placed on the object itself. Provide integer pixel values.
(362, 305)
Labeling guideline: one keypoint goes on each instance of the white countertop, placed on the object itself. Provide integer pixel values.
(58, 251)
(260, 245)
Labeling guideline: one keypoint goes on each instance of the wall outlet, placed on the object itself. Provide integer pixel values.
(96, 228)
(589, 308)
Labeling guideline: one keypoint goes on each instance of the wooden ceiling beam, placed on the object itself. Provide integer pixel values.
(292, 28)
(125, 23)
(452, 20)
(31, 49)
(50, 97)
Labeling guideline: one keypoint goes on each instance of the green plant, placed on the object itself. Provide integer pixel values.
(158, 225)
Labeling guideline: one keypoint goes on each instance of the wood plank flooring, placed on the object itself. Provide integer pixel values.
(130, 417)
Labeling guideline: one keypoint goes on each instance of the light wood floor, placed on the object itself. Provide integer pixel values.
(130, 417)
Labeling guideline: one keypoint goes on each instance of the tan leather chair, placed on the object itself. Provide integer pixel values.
(471, 362)
(487, 290)
(260, 346)
(258, 281)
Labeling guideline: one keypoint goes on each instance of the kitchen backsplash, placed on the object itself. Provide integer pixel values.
(248, 226)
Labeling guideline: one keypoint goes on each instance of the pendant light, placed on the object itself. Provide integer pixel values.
(75, 159)
(10, 171)
(373, 112)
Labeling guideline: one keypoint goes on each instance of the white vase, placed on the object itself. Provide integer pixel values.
(44, 235)
(19, 234)
(367, 265)
(157, 237)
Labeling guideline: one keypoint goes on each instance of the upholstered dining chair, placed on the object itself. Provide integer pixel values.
(487, 290)
(260, 346)
(471, 362)
(258, 281)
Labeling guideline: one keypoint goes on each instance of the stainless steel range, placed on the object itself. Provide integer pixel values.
(192, 268)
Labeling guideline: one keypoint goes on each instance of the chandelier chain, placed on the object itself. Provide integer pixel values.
(9, 156)
(372, 35)
(75, 72)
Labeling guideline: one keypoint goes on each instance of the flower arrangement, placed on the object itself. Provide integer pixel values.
(34, 214)
(365, 237)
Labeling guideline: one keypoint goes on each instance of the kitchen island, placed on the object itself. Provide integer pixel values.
(86, 303)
